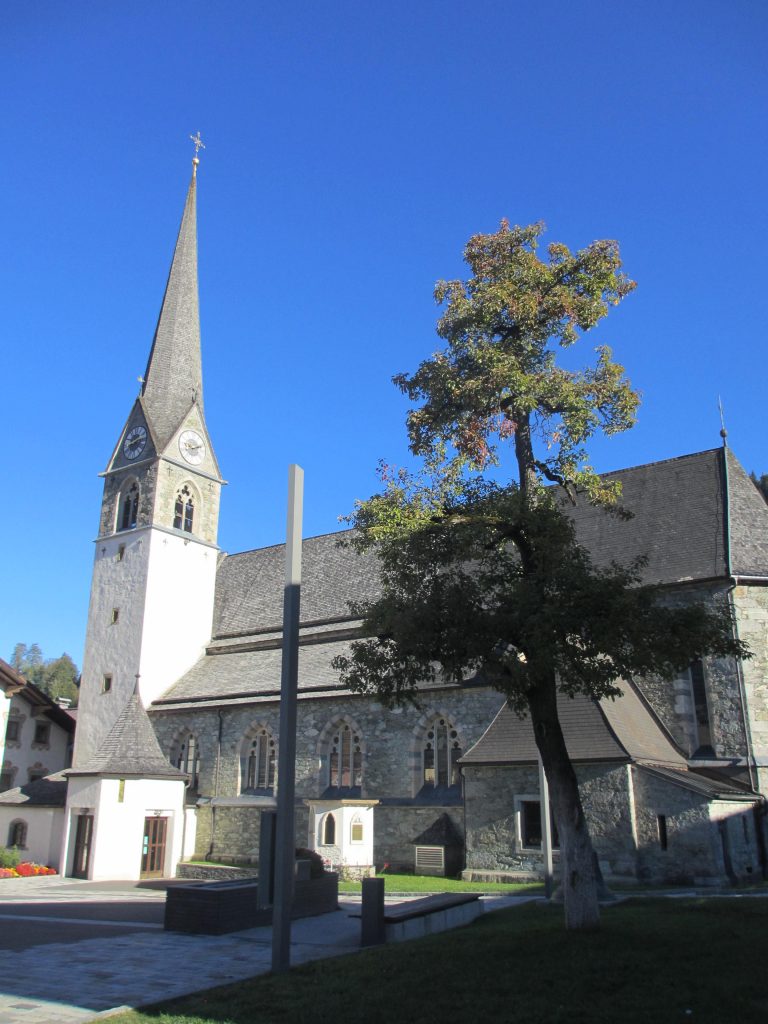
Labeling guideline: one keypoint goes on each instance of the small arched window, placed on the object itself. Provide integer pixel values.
(184, 510)
(329, 830)
(129, 508)
(187, 760)
(440, 755)
(17, 834)
(257, 770)
(345, 759)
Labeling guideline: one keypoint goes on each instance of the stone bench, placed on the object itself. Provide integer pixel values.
(413, 919)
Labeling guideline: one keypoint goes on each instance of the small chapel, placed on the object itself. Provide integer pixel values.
(178, 724)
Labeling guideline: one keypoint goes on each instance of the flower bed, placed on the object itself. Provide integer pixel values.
(26, 870)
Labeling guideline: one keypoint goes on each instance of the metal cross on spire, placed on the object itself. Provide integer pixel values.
(199, 144)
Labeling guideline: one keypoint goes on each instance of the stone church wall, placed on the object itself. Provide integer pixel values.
(707, 842)
(697, 831)
(391, 752)
(673, 700)
(494, 840)
(751, 605)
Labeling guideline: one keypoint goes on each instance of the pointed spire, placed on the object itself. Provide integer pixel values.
(173, 378)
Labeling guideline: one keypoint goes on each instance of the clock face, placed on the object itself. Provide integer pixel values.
(192, 447)
(135, 442)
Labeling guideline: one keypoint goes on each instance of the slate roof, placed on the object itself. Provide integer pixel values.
(174, 372)
(253, 674)
(50, 791)
(706, 785)
(249, 586)
(679, 522)
(130, 750)
(748, 514)
(620, 730)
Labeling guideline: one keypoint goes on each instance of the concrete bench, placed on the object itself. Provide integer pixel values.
(413, 919)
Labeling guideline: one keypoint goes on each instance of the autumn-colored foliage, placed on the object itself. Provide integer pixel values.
(26, 870)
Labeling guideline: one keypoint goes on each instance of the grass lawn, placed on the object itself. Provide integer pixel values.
(653, 961)
(424, 883)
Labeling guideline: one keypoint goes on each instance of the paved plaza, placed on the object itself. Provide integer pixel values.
(75, 949)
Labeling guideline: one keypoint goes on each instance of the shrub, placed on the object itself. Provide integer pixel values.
(9, 856)
(316, 869)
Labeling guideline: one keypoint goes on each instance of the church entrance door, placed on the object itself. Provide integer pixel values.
(153, 847)
(83, 837)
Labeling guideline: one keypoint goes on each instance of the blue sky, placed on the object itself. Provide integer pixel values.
(352, 149)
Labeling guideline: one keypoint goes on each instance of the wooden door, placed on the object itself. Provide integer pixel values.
(83, 838)
(153, 847)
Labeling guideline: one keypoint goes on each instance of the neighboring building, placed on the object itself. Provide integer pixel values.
(38, 738)
(194, 636)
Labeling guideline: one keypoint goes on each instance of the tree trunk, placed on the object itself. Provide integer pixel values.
(579, 880)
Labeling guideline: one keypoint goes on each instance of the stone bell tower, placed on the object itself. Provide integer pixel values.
(154, 573)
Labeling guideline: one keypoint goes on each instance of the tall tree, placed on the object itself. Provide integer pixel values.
(485, 578)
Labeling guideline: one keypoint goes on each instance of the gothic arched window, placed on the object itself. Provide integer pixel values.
(129, 508)
(345, 759)
(257, 765)
(328, 830)
(184, 510)
(441, 751)
(187, 759)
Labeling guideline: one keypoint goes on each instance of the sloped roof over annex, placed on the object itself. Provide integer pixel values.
(50, 791)
(624, 729)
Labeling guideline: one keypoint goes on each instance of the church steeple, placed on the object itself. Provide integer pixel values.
(154, 572)
(173, 379)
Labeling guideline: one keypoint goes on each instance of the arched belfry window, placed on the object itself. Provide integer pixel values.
(441, 750)
(186, 757)
(184, 510)
(128, 510)
(257, 764)
(345, 759)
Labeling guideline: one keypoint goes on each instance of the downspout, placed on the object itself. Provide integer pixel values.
(209, 855)
(734, 621)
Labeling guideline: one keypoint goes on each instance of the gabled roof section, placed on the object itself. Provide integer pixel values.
(621, 730)
(678, 523)
(748, 522)
(173, 378)
(130, 750)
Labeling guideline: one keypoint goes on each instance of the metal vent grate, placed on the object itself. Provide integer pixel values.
(430, 857)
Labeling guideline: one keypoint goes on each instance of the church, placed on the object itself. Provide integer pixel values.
(177, 736)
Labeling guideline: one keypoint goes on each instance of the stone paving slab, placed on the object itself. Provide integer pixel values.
(70, 982)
